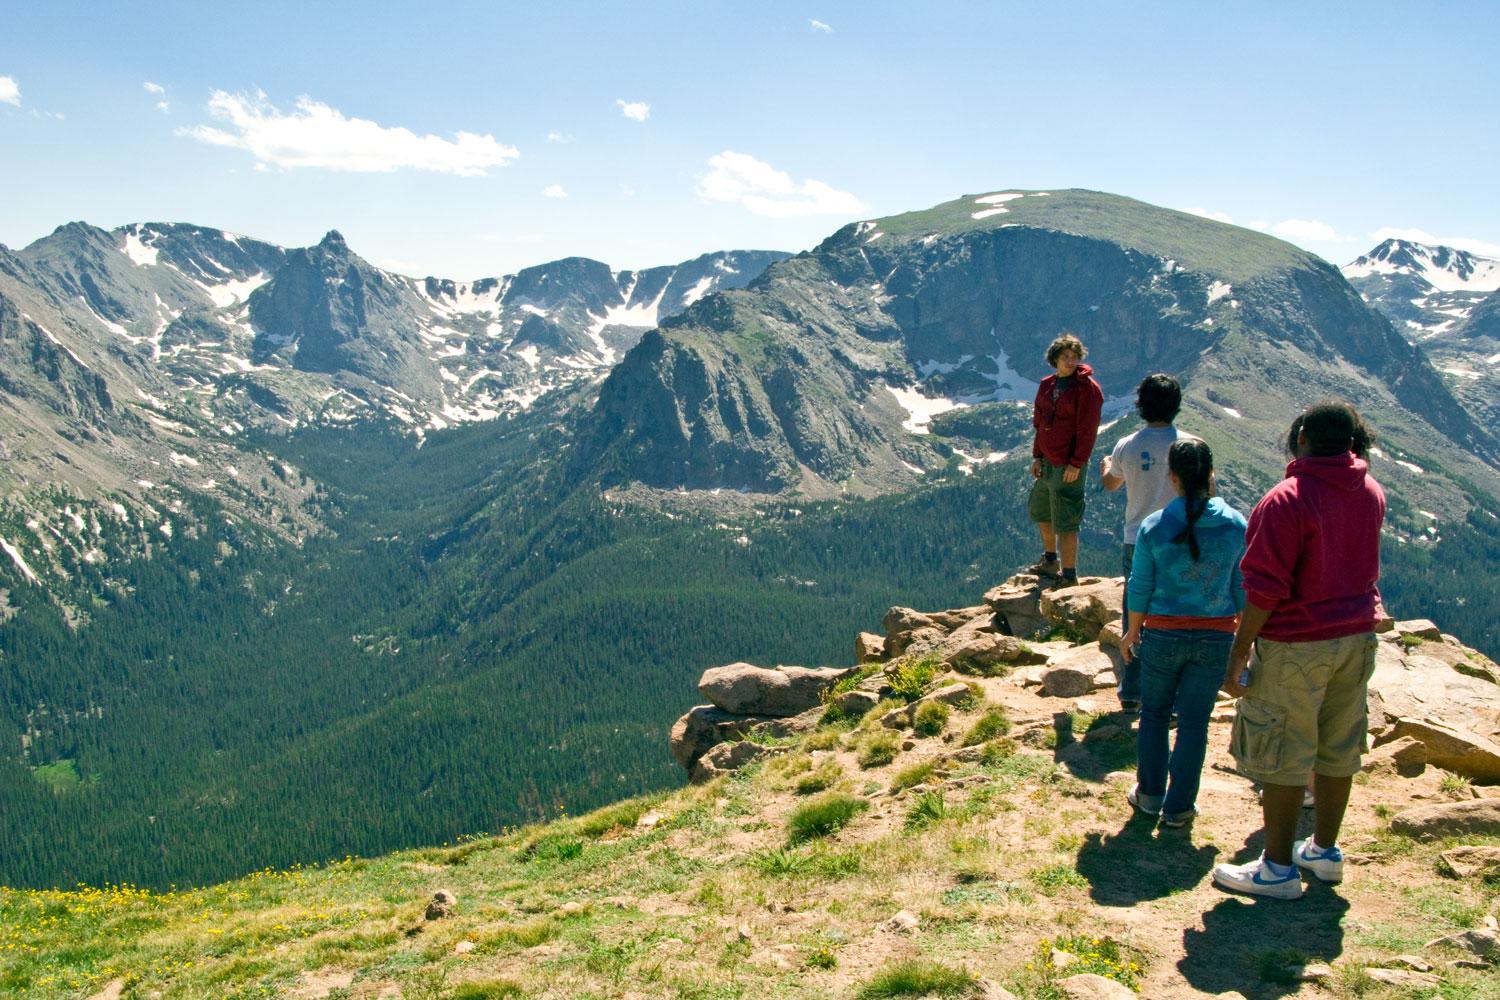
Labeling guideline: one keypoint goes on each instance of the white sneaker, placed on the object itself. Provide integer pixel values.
(1257, 880)
(1148, 804)
(1327, 864)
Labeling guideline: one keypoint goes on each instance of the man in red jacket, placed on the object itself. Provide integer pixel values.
(1066, 418)
(1312, 558)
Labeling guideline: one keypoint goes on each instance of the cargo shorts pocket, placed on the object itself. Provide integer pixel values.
(1258, 735)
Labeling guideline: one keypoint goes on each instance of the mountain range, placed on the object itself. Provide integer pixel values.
(305, 556)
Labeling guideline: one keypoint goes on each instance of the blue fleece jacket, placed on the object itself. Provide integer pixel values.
(1164, 579)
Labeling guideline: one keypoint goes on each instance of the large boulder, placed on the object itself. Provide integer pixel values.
(1476, 816)
(1453, 749)
(1017, 606)
(705, 727)
(1086, 608)
(869, 648)
(987, 654)
(1081, 670)
(1421, 684)
(745, 689)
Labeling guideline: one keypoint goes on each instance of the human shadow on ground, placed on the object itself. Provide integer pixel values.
(1257, 946)
(1140, 862)
(1105, 746)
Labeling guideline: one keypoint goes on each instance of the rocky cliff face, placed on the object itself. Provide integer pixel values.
(824, 376)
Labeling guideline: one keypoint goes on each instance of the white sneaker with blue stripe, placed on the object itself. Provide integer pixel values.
(1325, 862)
(1257, 879)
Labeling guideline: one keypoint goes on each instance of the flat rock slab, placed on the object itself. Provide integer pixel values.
(1090, 986)
(706, 726)
(728, 757)
(1468, 861)
(745, 689)
(1456, 750)
(1477, 816)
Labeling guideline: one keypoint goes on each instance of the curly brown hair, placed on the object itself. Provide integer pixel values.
(1066, 342)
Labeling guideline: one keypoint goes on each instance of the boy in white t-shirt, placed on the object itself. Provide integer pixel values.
(1139, 463)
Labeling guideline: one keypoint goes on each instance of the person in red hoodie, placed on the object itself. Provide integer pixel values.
(1066, 418)
(1312, 559)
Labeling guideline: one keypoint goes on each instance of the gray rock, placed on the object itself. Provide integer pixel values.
(1078, 672)
(869, 648)
(1404, 977)
(1477, 816)
(1468, 861)
(1017, 606)
(704, 727)
(856, 703)
(1404, 756)
(443, 904)
(1453, 749)
(1090, 986)
(1086, 608)
(728, 757)
(745, 689)
(1421, 628)
(987, 654)
(1483, 944)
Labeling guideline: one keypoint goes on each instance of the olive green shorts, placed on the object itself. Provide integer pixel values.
(1055, 502)
(1305, 709)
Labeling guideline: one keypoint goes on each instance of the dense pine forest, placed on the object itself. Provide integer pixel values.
(476, 644)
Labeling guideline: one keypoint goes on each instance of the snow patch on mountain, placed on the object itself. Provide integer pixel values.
(136, 249)
(920, 409)
(19, 560)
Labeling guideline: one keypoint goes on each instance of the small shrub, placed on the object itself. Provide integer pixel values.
(878, 749)
(846, 684)
(915, 978)
(495, 989)
(1411, 641)
(884, 707)
(998, 750)
(779, 861)
(926, 809)
(823, 816)
(824, 739)
(837, 864)
(824, 777)
(1101, 956)
(1455, 786)
(823, 958)
(991, 724)
(555, 847)
(911, 678)
(909, 777)
(974, 700)
(1055, 879)
(930, 718)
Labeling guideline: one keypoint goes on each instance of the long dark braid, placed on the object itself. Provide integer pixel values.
(1193, 463)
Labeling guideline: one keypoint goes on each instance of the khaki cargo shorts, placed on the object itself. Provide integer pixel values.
(1055, 502)
(1305, 710)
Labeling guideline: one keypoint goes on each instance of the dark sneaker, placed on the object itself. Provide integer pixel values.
(1045, 567)
(1179, 820)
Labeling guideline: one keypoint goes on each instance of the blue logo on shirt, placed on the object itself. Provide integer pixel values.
(1146, 461)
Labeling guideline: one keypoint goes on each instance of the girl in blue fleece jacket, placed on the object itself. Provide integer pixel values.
(1183, 598)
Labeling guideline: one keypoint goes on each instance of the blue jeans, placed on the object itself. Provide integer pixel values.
(1130, 673)
(1181, 668)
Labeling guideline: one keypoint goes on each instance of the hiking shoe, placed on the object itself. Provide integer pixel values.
(1045, 567)
(1063, 582)
(1327, 864)
(1256, 879)
(1148, 804)
(1131, 705)
(1179, 820)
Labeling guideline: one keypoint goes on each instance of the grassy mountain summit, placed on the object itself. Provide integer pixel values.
(983, 851)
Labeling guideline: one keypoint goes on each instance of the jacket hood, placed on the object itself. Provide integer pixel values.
(1345, 471)
(1217, 512)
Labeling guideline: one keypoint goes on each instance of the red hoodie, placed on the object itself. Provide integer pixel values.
(1312, 551)
(1065, 430)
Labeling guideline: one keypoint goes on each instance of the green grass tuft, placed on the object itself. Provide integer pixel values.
(912, 678)
(926, 809)
(931, 718)
(823, 816)
(915, 978)
(878, 749)
(909, 777)
(991, 724)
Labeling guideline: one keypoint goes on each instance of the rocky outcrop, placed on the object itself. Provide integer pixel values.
(1477, 816)
(745, 689)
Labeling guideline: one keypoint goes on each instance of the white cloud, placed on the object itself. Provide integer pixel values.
(162, 105)
(637, 111)
(554, 191)
(627, 190)
(1310, 230)
(556, 136)
(316, 135)
(1205, 213)
(1481, 247)
(764, 190)
(820, 26)
(10, 91)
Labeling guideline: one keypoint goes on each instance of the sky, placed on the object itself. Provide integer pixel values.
(471, 140)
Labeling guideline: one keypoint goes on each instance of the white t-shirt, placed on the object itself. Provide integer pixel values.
(1142, 459)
